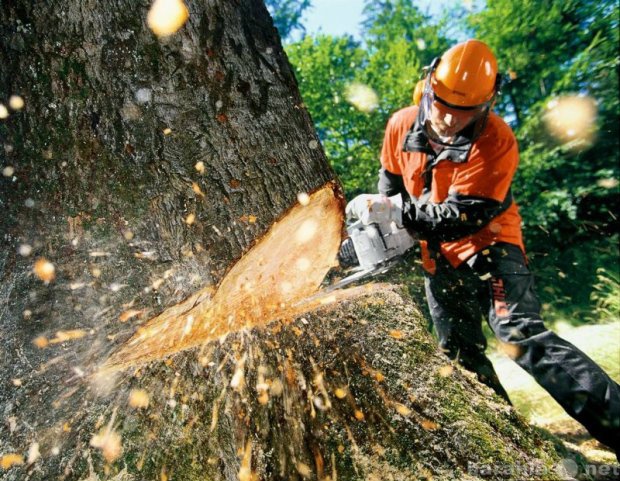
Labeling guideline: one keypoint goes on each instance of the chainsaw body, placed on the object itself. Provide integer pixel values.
(374, 248)
(376, 244)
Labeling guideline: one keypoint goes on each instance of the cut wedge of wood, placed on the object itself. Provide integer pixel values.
(278, 278)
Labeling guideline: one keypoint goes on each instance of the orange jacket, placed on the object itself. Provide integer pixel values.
(485, 175)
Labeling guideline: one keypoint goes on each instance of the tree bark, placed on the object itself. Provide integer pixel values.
(142, 169)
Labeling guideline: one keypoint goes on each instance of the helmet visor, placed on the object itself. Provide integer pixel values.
(448, 124)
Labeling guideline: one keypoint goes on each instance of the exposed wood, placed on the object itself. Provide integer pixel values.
(272, 281)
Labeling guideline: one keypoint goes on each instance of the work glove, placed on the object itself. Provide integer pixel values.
(376, 208)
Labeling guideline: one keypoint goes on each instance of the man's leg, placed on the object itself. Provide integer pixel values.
(576, 382)
(455, 309)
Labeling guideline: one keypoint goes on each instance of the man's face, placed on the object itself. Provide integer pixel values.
(447, 121)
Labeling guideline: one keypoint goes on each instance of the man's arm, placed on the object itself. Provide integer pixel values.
(458, 216)
(390, 184)
(479, 191)
(390, 175)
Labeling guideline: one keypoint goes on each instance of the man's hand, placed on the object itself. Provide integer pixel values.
(371, 208)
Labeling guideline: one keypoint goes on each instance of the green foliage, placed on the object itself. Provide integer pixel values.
(606, 293)
(401, 41)
(568, 197)
(565, 277)
(390, 21)
(324, 66)
(567, 47)
(398, 40)
(287, 14)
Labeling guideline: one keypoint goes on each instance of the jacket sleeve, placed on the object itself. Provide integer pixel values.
(390, 184)
(458, 216)
(390, 175)
(479, 191)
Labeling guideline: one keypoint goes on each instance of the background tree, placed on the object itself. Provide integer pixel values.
(326, 67)
(397, 41)
(287, 15)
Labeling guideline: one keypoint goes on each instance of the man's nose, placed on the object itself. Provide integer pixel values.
(448, 119)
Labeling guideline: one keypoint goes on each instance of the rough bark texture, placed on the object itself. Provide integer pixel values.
(103, 193)
(100, 89)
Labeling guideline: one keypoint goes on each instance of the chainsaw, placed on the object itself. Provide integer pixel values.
(371, 249)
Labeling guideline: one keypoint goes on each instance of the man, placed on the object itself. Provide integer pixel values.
(446, 171)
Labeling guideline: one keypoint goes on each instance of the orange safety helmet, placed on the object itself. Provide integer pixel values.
(459, 92)
(466, 75)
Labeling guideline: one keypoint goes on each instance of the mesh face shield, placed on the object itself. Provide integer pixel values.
(451, 125)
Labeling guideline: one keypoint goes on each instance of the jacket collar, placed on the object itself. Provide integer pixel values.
(416, 140)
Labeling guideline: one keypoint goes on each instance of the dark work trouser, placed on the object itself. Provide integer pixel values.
(496, 284)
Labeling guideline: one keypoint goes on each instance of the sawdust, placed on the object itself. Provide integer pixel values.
(278, 278)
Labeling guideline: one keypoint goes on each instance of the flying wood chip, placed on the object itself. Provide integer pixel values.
(266, 284)
(44, 270)
(167, 16)
(7, 461)
(109, 442)
(64, 336)
(138, 398)
(16, 102)
(340, 393)
(403, 410)
(41, 342)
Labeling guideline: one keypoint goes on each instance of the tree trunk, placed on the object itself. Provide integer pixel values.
(142, 169)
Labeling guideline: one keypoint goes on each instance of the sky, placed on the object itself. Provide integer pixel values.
(339, 17)
(335, 17)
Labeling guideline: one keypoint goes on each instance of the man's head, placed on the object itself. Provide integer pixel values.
(459, 92)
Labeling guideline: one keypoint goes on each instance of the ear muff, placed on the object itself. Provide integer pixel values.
(418, 91)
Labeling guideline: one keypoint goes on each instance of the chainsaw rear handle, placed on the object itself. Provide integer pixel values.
(346, 255)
